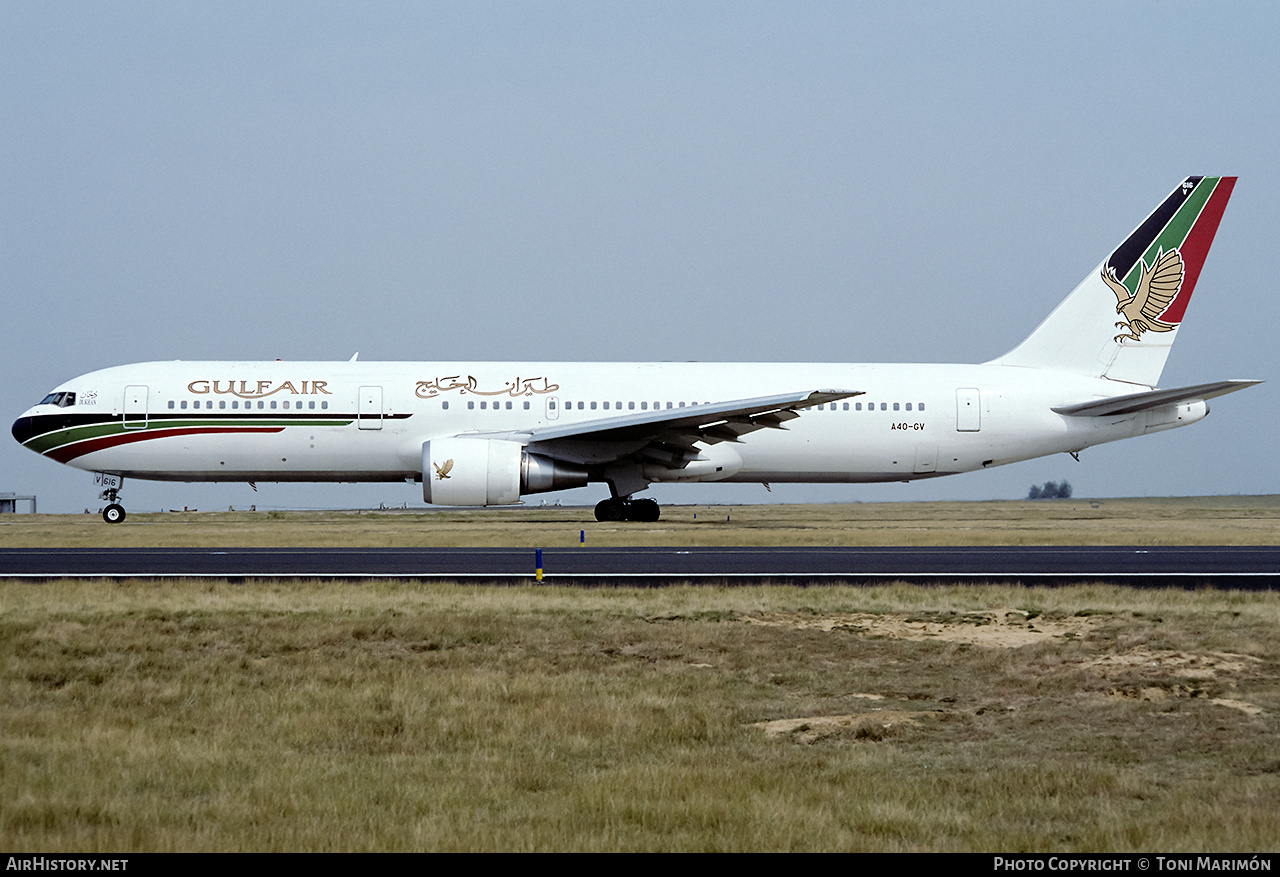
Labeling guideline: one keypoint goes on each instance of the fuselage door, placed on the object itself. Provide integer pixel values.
(553, 408)
(369, 409)
(968, 410)
(135, 407)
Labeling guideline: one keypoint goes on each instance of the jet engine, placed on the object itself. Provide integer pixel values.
(480, 472)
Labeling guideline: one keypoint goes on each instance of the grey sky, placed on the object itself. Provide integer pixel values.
(631, 181)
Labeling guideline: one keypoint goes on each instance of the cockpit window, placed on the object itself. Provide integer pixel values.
(62, 400)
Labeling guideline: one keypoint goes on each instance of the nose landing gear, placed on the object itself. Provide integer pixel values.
(114, 512)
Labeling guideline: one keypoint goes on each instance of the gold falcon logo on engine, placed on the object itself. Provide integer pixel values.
(442, 472)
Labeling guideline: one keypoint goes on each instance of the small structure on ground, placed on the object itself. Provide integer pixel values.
(9, 502)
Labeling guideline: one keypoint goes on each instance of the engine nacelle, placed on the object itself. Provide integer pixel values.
(481, 472)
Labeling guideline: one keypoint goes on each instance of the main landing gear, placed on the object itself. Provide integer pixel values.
(622, 509)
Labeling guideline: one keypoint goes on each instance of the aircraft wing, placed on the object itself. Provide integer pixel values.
(1151, 399)
(668, 434)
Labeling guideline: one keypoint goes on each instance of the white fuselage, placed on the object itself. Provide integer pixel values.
(368, 421)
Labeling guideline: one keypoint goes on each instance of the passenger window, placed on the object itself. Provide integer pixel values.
(908, 406)
(471, 405)
(444, 405)
(184, 404)
(920, 406)
(324, 404)
(606, 406)
(593, 406)
(171, 403)
(273, 404)
(526, 405)
(895, 406)
(222, 403)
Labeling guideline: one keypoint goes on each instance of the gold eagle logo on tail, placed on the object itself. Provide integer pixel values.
(442, 472)
(1157, 288)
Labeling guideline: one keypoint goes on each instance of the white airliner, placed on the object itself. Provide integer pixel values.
(487, 433)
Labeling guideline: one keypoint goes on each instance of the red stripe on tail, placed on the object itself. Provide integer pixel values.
(1196, 247)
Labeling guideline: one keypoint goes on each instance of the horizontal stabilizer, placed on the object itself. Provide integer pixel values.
(1152, 399)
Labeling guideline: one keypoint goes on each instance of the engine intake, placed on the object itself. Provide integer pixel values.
(482, 472)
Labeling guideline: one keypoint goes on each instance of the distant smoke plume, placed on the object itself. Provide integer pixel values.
(1050, 490)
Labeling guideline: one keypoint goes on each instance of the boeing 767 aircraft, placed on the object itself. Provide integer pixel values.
(487, 433)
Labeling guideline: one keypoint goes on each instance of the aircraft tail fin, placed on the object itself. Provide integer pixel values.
(1121, 321)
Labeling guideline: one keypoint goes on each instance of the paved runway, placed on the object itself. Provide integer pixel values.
(1248, 567)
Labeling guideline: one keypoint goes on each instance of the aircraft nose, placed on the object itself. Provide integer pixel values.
(23, 428)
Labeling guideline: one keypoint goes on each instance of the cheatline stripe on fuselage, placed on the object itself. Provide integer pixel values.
(105, 426)
(70, 442)
(79, 449)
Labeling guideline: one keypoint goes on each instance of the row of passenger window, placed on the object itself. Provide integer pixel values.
(552, 405)
(484, 405)
(871, 406)
(631, 406)
(235, 403)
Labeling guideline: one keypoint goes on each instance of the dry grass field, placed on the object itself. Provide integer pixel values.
(1219, 520)
(192, 715)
